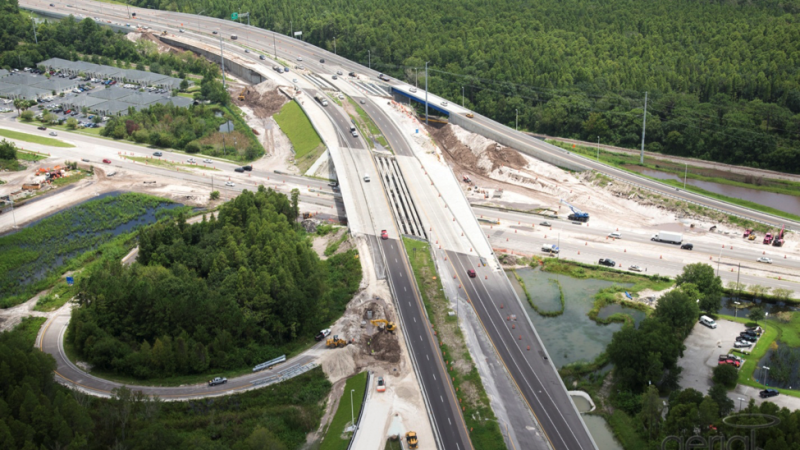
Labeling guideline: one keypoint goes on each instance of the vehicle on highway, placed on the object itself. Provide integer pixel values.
(381, 386)
(52, 4)
(546, 224)
(53, 133)
(636, 268)
(85, 159)
(246, 51)
(470, 116)
(444, 103)
(335, 77)
(207, 161)
(687, 246)
(352, 74)
(413, 89)
(767, 393)
(285, 69)
(239, 169)
(366, 178)
(218, 380)
(107, 161)
(384, 235)
(248, 168)
(742, 344)
(354, 133)
(615, 235)
(472, 273)
(294, 80)
(157, 154)
(708, 321)
(299, 58)
(230, 184)
(668, 237)
(550, 248)
(262, 57)
(383, 77)
(323, 334)
(214, 32)
(234, 37)
(181, 30)
(764, 260)
(41, 128)
(191, 161)
(322, 61)
(607, 262)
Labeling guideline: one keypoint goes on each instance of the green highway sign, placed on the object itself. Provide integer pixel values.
(234, 16)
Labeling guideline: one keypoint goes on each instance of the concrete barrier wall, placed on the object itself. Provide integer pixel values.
(475, 127)
(232, 67)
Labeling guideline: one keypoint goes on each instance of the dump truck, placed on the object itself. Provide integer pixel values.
(768, 239)
(384, 324)
(321, 99)
(335, 342)
(668, 236)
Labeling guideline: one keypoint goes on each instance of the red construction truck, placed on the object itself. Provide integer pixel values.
(768, 239)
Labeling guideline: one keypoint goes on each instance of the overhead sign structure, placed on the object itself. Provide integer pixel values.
(234, 16)
(298, 33)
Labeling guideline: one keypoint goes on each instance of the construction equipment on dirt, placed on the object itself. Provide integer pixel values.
(768, 239)
(241, 96)
(747, 233)
(778, 241)
(466, 179)
(335, 342)
(577, 214)
(384, 325)
(411, 438)
(752, 236)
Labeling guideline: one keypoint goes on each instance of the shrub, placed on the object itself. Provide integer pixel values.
(214, 195)
(726, 375)
(27, 115)
(72, 123)
(192, 147)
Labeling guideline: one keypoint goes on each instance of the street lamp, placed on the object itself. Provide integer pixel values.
(198, 20)
(426, 92)
(516, 122)
(369, 61)
(462, 95)
(598, 148)
(766, 375)
(718, 259)
(352, 416)
(334, 46)
(685, 174)
(416, 74)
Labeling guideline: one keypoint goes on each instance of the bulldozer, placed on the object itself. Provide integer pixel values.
(384, 324)
(411, 439)
(335, 342)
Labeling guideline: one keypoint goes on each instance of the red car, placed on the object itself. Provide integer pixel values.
(729, 361)
(471, 273)
(107, 161)
(67, 111)
(384, 235)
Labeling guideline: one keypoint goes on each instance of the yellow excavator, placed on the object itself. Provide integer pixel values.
(335, 342)
(241, 95)
(384, 324)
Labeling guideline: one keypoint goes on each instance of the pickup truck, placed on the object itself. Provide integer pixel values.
(217, 380)
(323, 334)
(607, 262)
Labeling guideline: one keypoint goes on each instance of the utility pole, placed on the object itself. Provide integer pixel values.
(198, 20)
(291, 26)
(369, 55)
(738, 286)
(644, 127)
(598, 148)
(34, 30)
(222, 63)
(129, 8)
(462, 95)
(685, 174)
(334, 46)
(516, 121)
(426, 93)
(416, 74)
(274, 45)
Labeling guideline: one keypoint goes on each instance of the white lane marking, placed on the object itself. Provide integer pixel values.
(415, 319)
(434, 376)
(404, 289)
(409, 303)
(395, 260)
(448, 421)
(440, 398)
(420, 338)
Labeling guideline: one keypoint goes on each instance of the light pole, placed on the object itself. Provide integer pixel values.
(685, 174)
(275, 46)
(369, 61)
(334, 46)
(426, 92)
(462, 95)
(598, 148)
(736, 309)
(34, 30)
(516, 122)
(740, 403)
(352, 416)
(198, 20)
(129, 8)
(718, 259)
(416, 73)
(766, 376)
(222, 65)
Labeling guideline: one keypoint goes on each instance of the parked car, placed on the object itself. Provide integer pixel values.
(107, 161)
(731, 356)
(742, 344)
(381, 386)
(747, 337)
(767, 393)
(607, 262)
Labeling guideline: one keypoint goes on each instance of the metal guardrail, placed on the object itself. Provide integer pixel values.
(269, 363)
(361, 411)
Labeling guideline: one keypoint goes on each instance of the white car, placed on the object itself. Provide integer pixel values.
(294, 80)
(191, 161)
(229, 184)
(765, 260)
(742, 344)
(615, 235)
(207, 161)
(181, 30)
(53, 133)
(635, 268)
(299, 58)
(444, 103)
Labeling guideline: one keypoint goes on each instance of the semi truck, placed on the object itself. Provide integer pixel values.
(321, 99)
(550, 248)
(668, 236)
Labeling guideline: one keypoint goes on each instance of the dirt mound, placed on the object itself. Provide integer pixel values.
(382, 346)
(474, 152)
(340, 362)
(264, 99)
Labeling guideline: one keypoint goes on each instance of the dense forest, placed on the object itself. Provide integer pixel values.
(224, 293)
(37, 413)
(88, 41)
(194, 129)
(722, 76)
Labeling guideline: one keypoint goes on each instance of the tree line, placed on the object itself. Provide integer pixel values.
(234, 290)
(721, 76)
(38, 413)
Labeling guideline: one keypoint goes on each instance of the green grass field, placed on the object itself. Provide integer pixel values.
(25, 137)
(332, 439)
(294, 122)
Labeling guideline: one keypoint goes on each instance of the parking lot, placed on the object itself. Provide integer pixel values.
(703, 347)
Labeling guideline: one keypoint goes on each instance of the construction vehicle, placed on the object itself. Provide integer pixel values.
(752, 236)
(470, 115)
(466, 179)
(241, 95)
(577, 214)
(411, 439)
(778, 241)
(747, 232)
(768, 239)
(335, 342)
(164, 33)
(384, 324)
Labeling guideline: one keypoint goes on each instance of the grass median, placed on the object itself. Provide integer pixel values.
(367, 121)
(32, 138)
(335, 436)
(297, 127)
(477, 412)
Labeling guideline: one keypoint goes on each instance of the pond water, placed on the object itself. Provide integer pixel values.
(784, 367)
(607, 311)
(729, 307)
(783, 202)
(601, 432)
(572, 336)
(581, 403)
